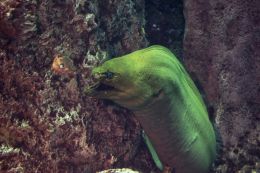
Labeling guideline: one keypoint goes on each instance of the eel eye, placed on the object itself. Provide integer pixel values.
(109, 75)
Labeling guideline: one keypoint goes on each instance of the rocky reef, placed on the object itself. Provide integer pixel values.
(48, 125)
(221, 46)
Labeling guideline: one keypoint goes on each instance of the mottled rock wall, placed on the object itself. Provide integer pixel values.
(221, 46)
(46, 123)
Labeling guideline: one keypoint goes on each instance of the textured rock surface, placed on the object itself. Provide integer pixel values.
(46, 124)
(221, 46)
(123, 170)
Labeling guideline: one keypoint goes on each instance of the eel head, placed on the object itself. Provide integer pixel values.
(113, 80)
(124, 80)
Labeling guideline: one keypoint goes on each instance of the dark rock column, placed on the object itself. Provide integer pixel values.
(221, 46)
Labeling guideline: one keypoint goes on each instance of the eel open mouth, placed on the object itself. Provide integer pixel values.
(99, 86)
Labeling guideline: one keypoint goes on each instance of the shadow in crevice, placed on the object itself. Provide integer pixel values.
(165, 24)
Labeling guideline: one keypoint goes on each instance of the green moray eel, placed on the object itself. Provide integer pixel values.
(154, 85)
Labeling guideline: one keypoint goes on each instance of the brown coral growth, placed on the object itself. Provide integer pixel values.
(46, 122)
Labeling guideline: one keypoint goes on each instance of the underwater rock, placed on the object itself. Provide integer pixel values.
(221, 46)
(123, 170)
(47, 124)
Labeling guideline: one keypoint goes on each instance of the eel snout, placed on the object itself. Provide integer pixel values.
(98, 84)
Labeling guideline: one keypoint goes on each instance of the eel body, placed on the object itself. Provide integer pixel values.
(155, 86)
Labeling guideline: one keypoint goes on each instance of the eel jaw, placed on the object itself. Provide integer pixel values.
(100, 90)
